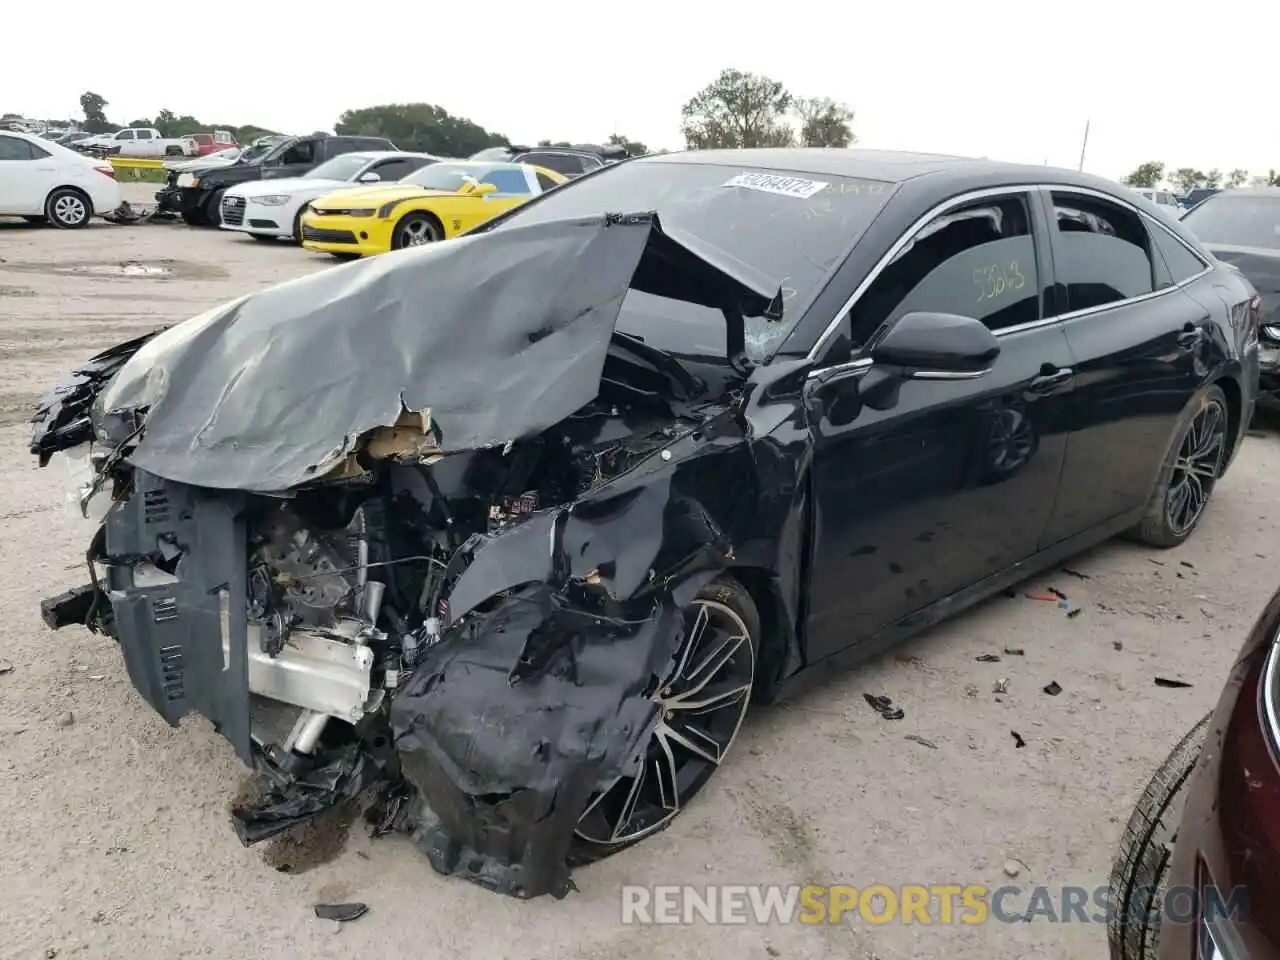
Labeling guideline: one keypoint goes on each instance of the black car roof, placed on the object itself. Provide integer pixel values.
(888, 166)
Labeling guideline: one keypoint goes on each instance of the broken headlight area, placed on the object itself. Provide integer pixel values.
(482, 632)
(463, 575)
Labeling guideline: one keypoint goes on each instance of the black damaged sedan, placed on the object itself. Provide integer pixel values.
(511, 528)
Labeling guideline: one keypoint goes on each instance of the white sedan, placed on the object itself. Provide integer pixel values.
(44, 182)
(267, 209)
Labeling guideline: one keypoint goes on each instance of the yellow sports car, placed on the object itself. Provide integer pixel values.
(435, 202)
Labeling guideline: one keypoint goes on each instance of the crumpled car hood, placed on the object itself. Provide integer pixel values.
(497, 336)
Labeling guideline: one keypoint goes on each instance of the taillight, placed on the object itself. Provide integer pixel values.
(107, 171)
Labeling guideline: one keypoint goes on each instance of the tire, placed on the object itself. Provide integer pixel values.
(1180, 495)
(68, 208)
(1140, 873)
(173, 152)
(416, 230)
(297, 224)
(605, 827)
(36, 221)
(213, 208)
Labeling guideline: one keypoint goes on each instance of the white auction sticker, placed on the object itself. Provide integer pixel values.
(783, 186)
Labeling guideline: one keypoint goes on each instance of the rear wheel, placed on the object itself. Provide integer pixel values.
(1140, 873)
(68, 208)
(416, 230)
(703, 701)
(1189, 473)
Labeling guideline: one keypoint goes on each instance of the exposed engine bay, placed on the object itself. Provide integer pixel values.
(469, 605)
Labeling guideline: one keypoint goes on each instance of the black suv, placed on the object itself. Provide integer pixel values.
(571, 161)
(197, 194)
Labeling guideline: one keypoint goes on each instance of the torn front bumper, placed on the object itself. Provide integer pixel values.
(184, 636)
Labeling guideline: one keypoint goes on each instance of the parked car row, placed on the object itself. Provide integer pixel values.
(352, 196)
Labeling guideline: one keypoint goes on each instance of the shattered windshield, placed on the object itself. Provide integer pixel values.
(792, 227)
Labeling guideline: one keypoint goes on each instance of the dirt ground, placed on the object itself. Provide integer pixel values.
(115, 829)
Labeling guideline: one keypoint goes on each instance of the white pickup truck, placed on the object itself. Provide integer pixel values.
(138, 142)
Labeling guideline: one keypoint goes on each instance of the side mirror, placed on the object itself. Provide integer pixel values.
(937, 346)
(927, 346)
(370, 177)
(479, 189)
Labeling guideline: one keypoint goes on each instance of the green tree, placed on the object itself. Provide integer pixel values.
(1147, 174)
(94, 106)
(1237, 177)
(634, 147)
(738, 109)
(824, 122)
(419, 126)
(95, 117)
(1213, 178)
(1187, 179)
(1273, 178)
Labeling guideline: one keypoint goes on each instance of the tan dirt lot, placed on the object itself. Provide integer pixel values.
(114, 827)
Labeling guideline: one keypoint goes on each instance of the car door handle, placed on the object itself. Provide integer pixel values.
(1055, 382)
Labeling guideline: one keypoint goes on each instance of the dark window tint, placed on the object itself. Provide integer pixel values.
(546, 183)
(507, 180)
(1181, 263)
(37, 152)
(1103, 252)
(304, 153)
(144, 134)
(1237, 220)
(395, 169)
(978, 261)
(565, 163)
(11, 148)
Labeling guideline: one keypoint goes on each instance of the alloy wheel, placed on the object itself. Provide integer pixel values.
(1197, 466)
(69, 209)
(703, 703)
(418, 233)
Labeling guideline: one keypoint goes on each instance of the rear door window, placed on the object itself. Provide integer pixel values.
(1102, 252)
(1181, 262)
(11, 148)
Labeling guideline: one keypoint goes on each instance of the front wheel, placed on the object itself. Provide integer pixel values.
(1188, 475)
(416, 230)
(67, 208)
(213, 209)
(702, 703)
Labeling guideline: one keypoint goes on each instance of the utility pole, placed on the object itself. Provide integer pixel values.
(1083, 144)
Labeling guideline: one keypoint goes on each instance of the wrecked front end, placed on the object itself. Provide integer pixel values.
(418, 525)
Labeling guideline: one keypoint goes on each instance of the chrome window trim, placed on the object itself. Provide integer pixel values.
(823, 341)
(1268, 695)
(907, 236)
